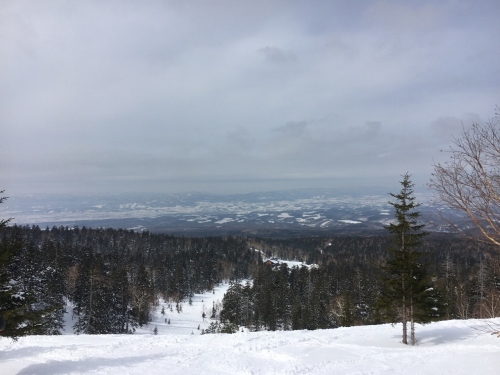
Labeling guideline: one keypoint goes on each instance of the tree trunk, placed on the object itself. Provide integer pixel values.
(404, 318)
(412, 324)
(89, 319)
(404, 321)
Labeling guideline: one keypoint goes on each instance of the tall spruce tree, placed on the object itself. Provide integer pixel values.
(407, 293)
(40, 286)
(12, 302)
(26, 304)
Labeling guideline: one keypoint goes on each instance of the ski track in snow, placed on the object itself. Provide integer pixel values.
(450, 347)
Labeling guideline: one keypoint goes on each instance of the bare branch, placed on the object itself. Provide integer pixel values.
(469, 181)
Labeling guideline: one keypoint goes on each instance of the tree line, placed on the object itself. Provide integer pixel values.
(110, 278)
(113, 278)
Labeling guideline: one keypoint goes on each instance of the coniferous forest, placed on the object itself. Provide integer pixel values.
(113, 278)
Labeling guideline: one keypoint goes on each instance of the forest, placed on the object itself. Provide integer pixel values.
(111, 279)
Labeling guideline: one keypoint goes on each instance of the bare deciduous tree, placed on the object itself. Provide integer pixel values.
(470, 180)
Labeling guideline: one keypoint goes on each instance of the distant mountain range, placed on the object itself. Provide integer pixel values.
(314, 211)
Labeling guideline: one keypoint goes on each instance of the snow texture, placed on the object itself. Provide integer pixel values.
(449, 347)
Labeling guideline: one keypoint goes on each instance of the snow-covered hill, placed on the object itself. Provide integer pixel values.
(450, 347)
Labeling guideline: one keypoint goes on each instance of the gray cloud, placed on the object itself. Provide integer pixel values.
(277, 55)
(168, 95)
(446, 127)
(293, 128)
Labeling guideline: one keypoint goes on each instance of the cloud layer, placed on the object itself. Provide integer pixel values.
(237, 96)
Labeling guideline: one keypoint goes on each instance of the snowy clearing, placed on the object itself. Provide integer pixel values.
(449, 347)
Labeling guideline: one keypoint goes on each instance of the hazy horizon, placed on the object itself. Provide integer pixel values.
(356, 186)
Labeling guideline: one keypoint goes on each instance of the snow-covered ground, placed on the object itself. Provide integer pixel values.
(450, 347)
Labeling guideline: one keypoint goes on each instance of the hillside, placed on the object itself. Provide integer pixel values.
(447, 347)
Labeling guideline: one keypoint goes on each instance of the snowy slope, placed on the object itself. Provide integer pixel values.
(451, 347)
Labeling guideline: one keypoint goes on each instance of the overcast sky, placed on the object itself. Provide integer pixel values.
(237, 96)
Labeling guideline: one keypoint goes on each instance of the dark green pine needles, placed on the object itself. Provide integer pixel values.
(407, 292)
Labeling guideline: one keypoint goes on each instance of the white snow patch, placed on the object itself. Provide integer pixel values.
(139, 228)
(325, 223)
(295, 263)
(350, 221)
(224, 221)
(449, 347)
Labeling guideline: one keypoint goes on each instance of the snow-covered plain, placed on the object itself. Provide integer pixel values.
(450, 347)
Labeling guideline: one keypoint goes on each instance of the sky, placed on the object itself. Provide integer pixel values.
(238, 96)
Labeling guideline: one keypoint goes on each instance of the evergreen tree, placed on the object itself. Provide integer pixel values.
(234, 305)
(120, 306)
(28, 304)
(42, 287)
(142, 296)
(12, 302)
(83, 295)
(407, 293)
(92, 298)
(3, 222)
